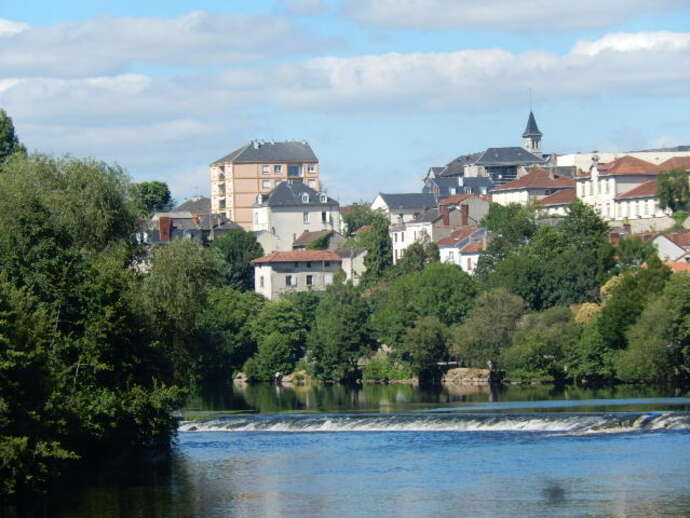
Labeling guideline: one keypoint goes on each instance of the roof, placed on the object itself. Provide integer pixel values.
(682, 238)
(627, 165)
(473, 247)
(531, 130)
(562, 197)
(677, 162)
(461, 185)
(644, 190)
(298, 256)
(678, 266)
(363, 228)
(456, 236)
(539, 179)
(307, 237)
(456, 167)
(258, 151)
(349, 252)
(459, 198)
(413, 200)
(290, 194)
(502, 156)
(196, 205)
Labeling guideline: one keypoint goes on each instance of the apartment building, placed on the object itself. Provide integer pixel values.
(257, 168)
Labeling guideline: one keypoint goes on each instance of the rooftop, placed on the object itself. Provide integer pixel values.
(307, 237)
(505, 156)
(456, 236)
(259, 151)
(531, 130)
(298, 256)
(196, 205)
(677, 162)
(290, 194)
(412, 200)
(627, 165)
(459, 198)
(539, 179)
(562, 197)
(644, 190)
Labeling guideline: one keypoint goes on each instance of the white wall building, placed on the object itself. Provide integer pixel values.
(535, 185)
(463, 248)
(403, 207)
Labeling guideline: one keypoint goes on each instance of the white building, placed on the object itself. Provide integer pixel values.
(672, 246)
(533, 186)
(403, 207)
(463, 248)
(291, 209)
(583, 161)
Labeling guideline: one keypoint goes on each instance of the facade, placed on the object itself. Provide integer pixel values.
(556, 205)
(463, 248)
(403, 207)
(291, 209)
(257, 168)
(533, 186)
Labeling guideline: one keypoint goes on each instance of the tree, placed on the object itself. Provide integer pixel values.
(358, 215)
(440, 290)
(417, 256)
(488, 328)
(379, 258)
(153, 196)
(9, 143)
(340, 335)
(424, 346)
(238, 248)
(321, 242)
(632, 253)
(673, 189)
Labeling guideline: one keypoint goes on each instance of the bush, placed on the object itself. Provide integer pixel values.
(386, 370)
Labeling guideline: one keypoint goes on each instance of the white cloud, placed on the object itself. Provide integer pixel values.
(9, 28)
(634, 42)
(113, 45)
(530, 15)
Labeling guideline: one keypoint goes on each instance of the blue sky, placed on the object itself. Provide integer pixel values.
(382, 89)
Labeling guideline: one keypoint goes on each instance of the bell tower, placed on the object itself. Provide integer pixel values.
(531, 137)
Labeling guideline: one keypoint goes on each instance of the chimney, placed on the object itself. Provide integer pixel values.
(465, 215)
(197, 219)
(443, 209)
(165, 227)
(627, 228)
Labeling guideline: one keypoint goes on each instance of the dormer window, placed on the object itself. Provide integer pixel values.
(305, 197)
(452, 191)
(323, 198)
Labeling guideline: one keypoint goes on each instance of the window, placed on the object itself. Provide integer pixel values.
(221, 204)
(288, 280)
(265, 184)
(305, 217)
(261, 281)
(402, 237)
(395, 237)
(256, 217)
(324, 217)
(323, 198)
(308, 264)
(327, 263)
(277, 169)
(452, 191)
(296, 264)
(311, 169)
(266, 169)
(451, 257)
(294, 170)
(311, 183)
(305, 197)
(309, 280)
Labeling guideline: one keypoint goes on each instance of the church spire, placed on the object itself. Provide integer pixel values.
(531, 137)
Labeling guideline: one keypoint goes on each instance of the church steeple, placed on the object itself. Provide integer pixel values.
(531, 137)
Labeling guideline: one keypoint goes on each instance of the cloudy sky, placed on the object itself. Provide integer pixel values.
(382, 89)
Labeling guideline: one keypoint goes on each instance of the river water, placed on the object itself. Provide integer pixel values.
(394, 451)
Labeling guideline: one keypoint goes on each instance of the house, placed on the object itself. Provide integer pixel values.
(583, 161)
(672, 246)
(499, 164)
(403, 207)
(557, 203)
(463, 247)
(335, 239)
(257, 168)
(533, 186)
(291, 209)
(168, 226)
(447, 186)
(460, 211)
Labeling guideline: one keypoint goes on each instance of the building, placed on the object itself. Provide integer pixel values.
(557, 203)
(447, 186)
(291, 209)
(280, 273)
(335, 239)
(460, 211)
(672, 246)
(463, 247)
(583, 161)
(257, 168)
(405, 206)
(533, 186)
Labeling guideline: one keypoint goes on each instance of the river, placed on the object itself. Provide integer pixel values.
(400, 451)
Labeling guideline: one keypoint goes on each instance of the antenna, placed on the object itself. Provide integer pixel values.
(530, 99)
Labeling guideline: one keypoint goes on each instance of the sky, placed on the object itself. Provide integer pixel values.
(381, 89)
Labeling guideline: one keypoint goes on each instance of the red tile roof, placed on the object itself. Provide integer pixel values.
(628, 165)
(644, 190)
(456, 236)
(298, 256)
(307, 237)
(474, 247)
(365, 228)
(562, 197)
(539, 179)
(678, 266)
(459, 198)
(682, 238)
(677, 162)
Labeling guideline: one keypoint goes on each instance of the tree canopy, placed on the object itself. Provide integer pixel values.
(238, 248)
(9, 143)
(153, 196)
(673, 189)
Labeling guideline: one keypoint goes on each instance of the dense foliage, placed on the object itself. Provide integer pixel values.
(238, 248)
(9, 143)
(153, 196)
(673, 189)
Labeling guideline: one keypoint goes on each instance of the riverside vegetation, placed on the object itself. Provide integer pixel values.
(101, 339)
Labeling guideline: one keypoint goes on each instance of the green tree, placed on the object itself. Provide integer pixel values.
(632, 253)
(673, 189)
(153, 196)
(488, 328)
(276, 355)
(417, 256)
(9, 143)
(424, 346)
(379, 258)
(321, 242)
(359, 215)
(340, 335)
(238, 248)
(440, 290)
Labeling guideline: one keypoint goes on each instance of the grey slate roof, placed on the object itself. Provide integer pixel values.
(413, 200)
(532, 130)
(258, 151)
(505, 156)
(461, 185)
(456, 167)
(197, 205)
(289, 194)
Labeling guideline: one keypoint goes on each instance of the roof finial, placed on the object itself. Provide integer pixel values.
(530, 99)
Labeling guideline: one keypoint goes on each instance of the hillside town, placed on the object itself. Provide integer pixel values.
(273, 189)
